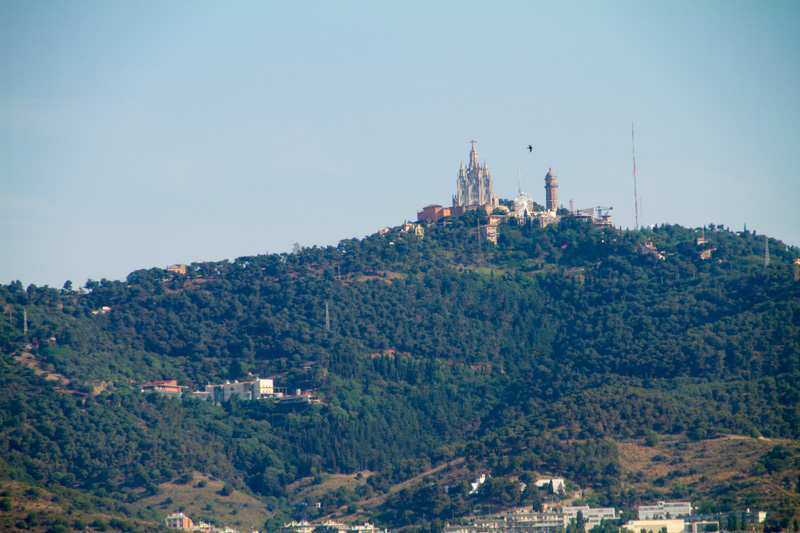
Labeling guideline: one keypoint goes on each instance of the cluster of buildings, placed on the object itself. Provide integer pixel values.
(255, 389)
(669, 517)
(474, 191)
(329, 527)
(527, 521)
(704, 249)
(181, 521)
(677, 517)
(557, 485)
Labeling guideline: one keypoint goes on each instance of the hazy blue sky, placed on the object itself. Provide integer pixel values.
(141, 134)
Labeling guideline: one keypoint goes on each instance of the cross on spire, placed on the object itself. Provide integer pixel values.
(473, 157)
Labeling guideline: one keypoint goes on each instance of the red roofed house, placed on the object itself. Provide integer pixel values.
(169, 387)
(433, 213)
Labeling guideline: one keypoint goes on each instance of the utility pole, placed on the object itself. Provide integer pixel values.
(635, 193)
(478, 235)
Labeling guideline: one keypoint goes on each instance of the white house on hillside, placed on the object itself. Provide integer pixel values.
(557, 482)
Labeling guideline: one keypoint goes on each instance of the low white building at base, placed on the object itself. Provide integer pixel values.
(593, 517)
(655, 526)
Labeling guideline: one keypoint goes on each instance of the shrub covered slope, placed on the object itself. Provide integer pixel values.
(536, 355)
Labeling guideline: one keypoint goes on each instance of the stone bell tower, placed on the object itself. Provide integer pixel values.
(551, 187)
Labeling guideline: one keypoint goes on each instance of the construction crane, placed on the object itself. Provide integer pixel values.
(600, 210)
(596, 212)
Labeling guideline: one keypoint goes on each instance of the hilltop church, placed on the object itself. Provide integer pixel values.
(474, 187)
(474, 191)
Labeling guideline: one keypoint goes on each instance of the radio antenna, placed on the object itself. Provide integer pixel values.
(635, 193)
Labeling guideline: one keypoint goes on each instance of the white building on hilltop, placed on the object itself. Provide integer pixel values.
(258, 389)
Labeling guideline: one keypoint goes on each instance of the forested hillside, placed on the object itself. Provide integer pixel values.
(542, 354)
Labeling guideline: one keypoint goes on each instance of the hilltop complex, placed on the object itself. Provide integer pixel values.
(474, 191)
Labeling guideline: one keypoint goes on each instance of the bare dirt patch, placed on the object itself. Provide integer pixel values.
(29, 360)
(314, 488)
(375, 501)
(386, 275)
(675, 462)
(202, 503)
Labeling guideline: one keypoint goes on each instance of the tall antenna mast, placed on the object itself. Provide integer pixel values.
(635, 193)
(766, 252)
(519, 182)
(327, 317)
(478, 236)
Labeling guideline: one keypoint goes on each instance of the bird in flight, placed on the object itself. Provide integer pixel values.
(530, 148)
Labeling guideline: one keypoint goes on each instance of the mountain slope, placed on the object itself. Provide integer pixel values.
(543, 354)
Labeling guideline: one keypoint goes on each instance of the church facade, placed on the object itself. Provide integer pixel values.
(474, 186)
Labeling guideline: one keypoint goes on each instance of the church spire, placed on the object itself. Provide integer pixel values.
(473, 157)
